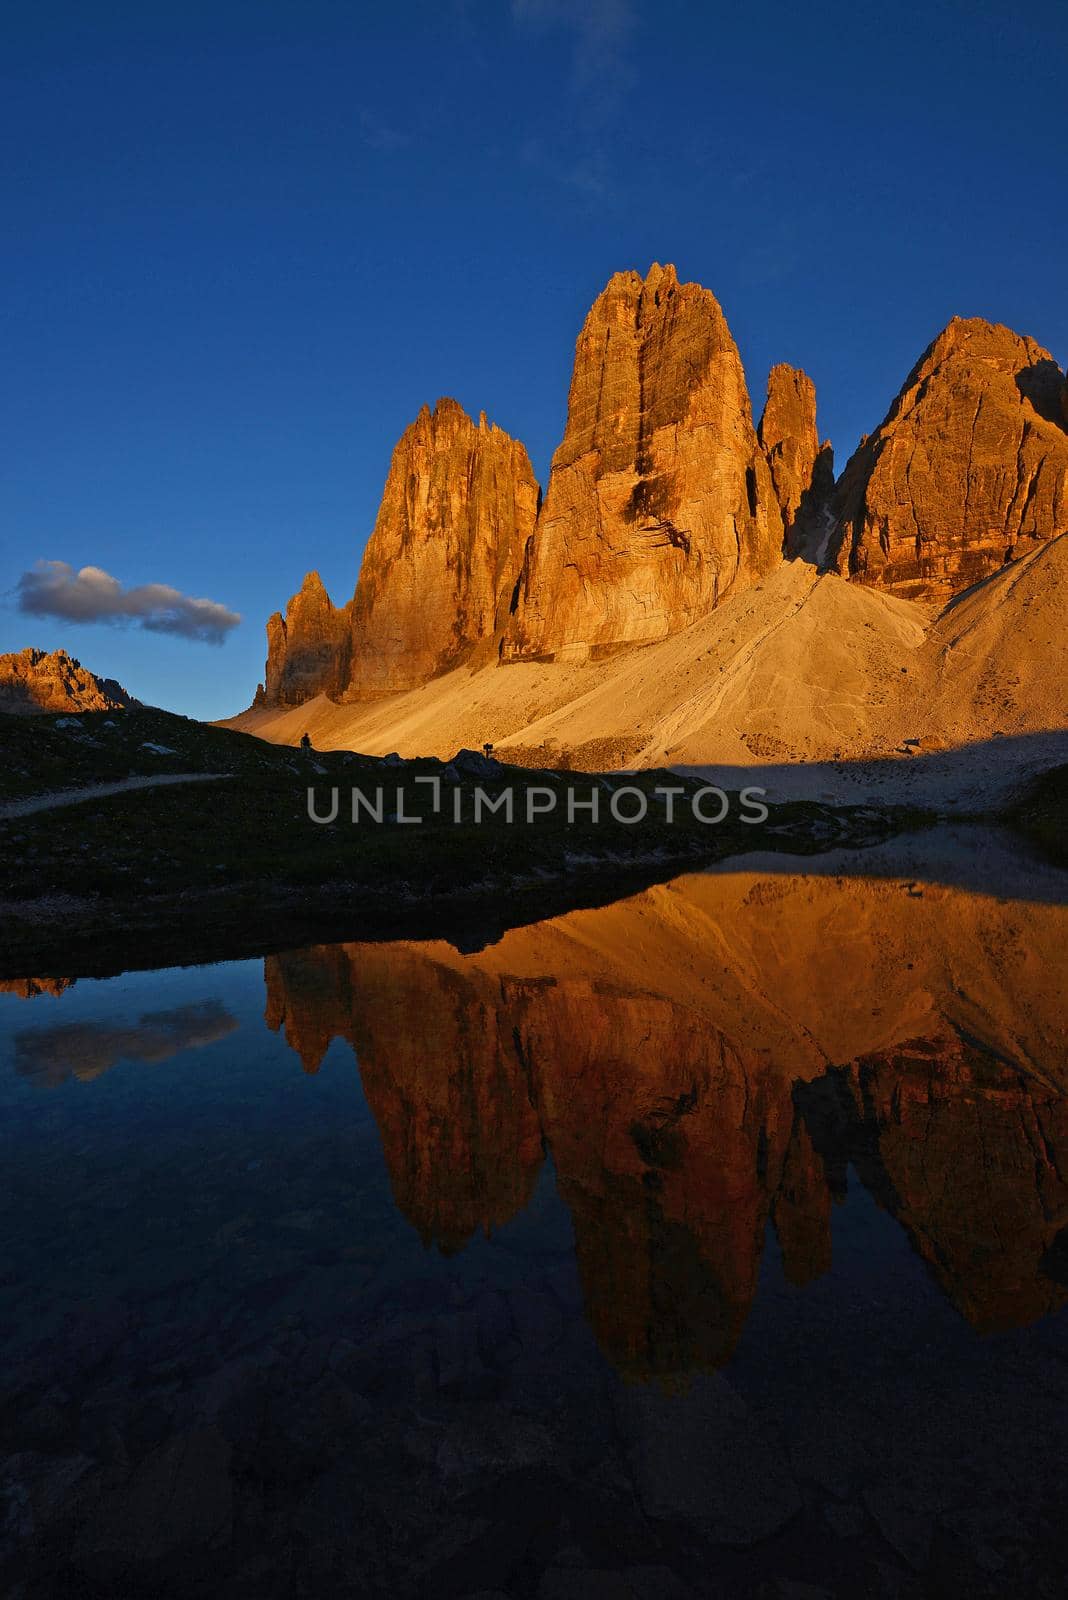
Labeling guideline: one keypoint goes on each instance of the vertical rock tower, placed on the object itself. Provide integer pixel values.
(802, 470)
(307, 649)
(441, 566)
(437, 576)
(660, 499)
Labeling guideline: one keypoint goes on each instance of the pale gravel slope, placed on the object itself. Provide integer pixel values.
(788, 680)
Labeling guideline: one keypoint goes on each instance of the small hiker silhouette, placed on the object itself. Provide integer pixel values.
(305, 743)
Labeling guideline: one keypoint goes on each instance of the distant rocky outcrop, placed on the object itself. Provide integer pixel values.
(968, 470)
(308, 650)
(802, 470)
(441, 565)
(41, 680)
(660, 499)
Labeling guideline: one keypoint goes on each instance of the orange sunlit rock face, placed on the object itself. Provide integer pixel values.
(437, 577)
(441, 565)
(696, 1067)
(663, 501)
(307, 649)
(968, 470)
(660, 500)
(802, 470)
(42, 680)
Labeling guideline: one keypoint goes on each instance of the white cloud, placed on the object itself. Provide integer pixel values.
(54, 589)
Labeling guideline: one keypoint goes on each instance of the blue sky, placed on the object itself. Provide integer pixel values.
(245, 242)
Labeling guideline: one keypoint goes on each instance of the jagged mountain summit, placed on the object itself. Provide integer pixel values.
(42, 680)
(802, 470)
(660, 500)
(440, 567)
(968, 470)
(665, 508)
(308, 650)
(437, 577)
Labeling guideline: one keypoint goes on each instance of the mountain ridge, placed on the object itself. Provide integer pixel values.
(38, 681)
(665, 506)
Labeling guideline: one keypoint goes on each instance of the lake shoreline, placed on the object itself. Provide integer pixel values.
(112, 857)
(71, 935)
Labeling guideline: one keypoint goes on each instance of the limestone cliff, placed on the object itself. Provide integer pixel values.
(802, 470)
(442, 563)
(660, 499)
(968, 470)
(663, 500)
(39, 680)
(307, 649)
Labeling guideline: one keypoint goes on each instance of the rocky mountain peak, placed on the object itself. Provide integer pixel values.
(968, 470)
(442, 562)
(42, 680)
(660, 281)
(664, 499)
(802, 470)
(307, 649)
(660, 499)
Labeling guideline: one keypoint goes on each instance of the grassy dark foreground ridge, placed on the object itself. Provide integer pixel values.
(233, 865)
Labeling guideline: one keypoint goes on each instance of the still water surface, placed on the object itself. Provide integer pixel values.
(714, 1242)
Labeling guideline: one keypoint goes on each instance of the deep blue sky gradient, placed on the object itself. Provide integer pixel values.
(244, 242)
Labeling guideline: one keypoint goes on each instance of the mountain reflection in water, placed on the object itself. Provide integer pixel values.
(711, 1056)
(712, 1243)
